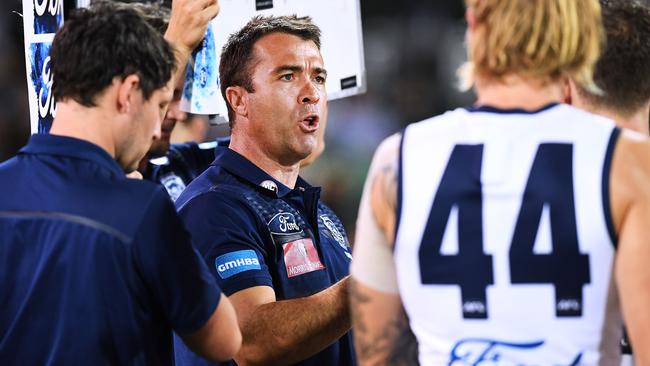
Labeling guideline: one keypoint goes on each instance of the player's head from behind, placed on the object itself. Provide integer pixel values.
(108, 61)
(158, 15)
(623, 70)
(273, 79)
(543, 40)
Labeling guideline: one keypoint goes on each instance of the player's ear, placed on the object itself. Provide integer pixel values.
(237, 97)
(470, 18)
(569, 90)
(126, 91)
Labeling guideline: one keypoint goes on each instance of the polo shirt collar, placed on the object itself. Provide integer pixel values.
(241, 167)
(71, 147)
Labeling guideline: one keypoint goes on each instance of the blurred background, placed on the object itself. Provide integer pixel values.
(412, 50)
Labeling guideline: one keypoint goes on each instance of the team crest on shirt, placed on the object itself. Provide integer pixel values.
(336, 234)
(173, 184)
(284, 223)
(300, 257)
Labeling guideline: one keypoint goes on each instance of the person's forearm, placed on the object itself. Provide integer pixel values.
(182, 55)
(288, 331)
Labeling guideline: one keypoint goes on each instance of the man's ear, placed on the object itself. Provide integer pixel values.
(126, 92)
(470, 18)
(570, 88)
(237, 97)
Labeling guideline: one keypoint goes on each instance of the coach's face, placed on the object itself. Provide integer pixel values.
(289, 102)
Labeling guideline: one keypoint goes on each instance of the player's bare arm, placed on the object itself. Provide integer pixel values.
(382, 334)
(288, 331)
(630, 199)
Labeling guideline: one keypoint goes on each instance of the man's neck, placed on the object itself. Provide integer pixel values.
(517, 92)
(636, 121)
(285, 173)
(75, 120)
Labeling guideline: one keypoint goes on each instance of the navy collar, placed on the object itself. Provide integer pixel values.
(490, 109)
(243, 168)
(71, 147)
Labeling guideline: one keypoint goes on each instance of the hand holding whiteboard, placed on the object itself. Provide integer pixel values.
(341, 38)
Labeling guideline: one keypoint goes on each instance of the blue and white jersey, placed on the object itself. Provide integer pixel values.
(505, 245)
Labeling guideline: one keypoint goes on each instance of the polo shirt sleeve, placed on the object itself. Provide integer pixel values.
(227, 234)
(175, 273)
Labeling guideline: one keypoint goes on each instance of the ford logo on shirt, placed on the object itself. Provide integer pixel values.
(284, 223)
(483, 351)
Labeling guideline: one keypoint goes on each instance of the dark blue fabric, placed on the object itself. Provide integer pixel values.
(95, 268)
(230, 214)
(180, 166)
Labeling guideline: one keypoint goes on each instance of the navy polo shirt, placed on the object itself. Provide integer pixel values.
(254, 231)
(95, 268)
(182, 163)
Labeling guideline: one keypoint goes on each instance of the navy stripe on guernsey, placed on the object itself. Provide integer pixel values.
(75, 219)
(400, 186)
(607, 203)
(489, 109)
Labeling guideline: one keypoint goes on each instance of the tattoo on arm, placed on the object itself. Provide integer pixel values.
(394, 346)
(388, 180)
(384, 199)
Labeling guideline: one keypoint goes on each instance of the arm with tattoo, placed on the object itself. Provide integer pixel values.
(381, 329)
(382, 334)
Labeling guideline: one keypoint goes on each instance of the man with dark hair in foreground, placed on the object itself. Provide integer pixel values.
(97, 267)
(277, 251)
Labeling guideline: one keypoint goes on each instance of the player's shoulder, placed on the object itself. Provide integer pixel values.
(629, 177)
(445, 120)
(631, 160)
(389, 147)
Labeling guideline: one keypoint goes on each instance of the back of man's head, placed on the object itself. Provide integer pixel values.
(156, 14)
(623, 70)
(542, 40)
(96, 45)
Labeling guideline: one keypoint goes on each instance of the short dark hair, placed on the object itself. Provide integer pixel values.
(237, 54)
(156, 14)
(623, 70)
(106, 41)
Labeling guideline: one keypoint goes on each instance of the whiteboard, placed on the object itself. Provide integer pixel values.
(41, 19)
(341, 47)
